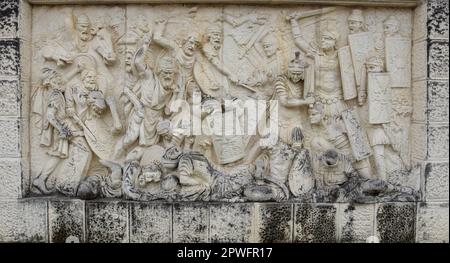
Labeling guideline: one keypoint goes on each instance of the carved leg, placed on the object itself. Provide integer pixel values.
(363, 168)
(379, 161)
(115, 115)
(40, 181)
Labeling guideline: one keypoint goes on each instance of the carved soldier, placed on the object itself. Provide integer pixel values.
(157, 92)
(57, 130)
(356, 23)
(82, 32)
(292, 93)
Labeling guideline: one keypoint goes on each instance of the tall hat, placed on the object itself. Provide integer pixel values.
(213, 28)
(391, 20)
(356, 15)
(167, 63)
(82, 19)
(297, 64)
(330, 33)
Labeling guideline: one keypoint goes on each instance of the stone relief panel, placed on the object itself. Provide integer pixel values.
(222, 103)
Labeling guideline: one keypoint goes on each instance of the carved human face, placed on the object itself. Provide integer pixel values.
(215, 38)
(83, 31)
(270, 48)
(315, 116)
(90, 80)
(327, 42)
(390, 29)
(129, 61)
(149, 175)
(355, 26)
(190, 46)
(167, 77)
(296, 75)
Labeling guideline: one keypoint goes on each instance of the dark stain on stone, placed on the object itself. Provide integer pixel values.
(395, 222)
(315, 223)
(275, 220)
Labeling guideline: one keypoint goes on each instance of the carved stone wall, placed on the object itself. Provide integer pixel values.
(359, 142)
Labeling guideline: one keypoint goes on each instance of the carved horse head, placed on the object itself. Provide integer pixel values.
(102, 43)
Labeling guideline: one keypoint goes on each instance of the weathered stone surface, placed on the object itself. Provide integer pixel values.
(395, 222)
(419, 60)
(10, 98)
(9, 138)
(190, 223)
(438, 101)
(9, 12)
(315, 223)
(438, 141)
(9, 57)
(107, 222)
(66, 221)
(438, 19)
(436, 181)
(230, 223)
(419, 132)
(273, 222)
(356, 222)
(10, 178)
(420, 21)
(23, 221)
(150, 223)
(433, 223)
(419, 93)
(438, 60)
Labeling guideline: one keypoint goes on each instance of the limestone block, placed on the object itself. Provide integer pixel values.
(438, 101)
(356, 222)
(190, 223)
(395, 222)
(315, 223)
(9, 98)
(420, 21)
(150, 223)
(230, 223)
(419, 94)
(107, 222)
(438, 19)
(9, 57)
(432, 223)
(9, 137)
(273, 222)
(23, 221)
(436, 181)
(10, 178)
(419, 60)
(438, 59)
(9, 12)
(66, 219)
(419, 144)
(438, 141)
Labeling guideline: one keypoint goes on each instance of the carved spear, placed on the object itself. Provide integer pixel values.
(299, 15)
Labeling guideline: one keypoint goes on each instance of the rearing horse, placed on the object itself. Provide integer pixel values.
(101, 49)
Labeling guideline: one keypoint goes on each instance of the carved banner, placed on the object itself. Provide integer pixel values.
(356, 135)
(347, 73)
(360, 45)
(398, 61)
(379, 97)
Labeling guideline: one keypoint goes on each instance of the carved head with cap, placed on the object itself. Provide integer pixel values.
(270, 45)
(51, 78)
(356, 21)
(191, 43)
(214, 35)
(83, 27)
(328, 40)
(296, 69)
(167, 70)
(391, 26)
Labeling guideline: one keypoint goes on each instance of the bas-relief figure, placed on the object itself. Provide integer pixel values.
(110, 106)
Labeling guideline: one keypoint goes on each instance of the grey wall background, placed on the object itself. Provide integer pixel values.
(25, 219)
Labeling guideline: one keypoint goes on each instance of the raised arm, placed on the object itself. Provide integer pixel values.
(299, 40)
(139, 58)
(160, 39)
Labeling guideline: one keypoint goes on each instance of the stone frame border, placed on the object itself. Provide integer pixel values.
(38, 219)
